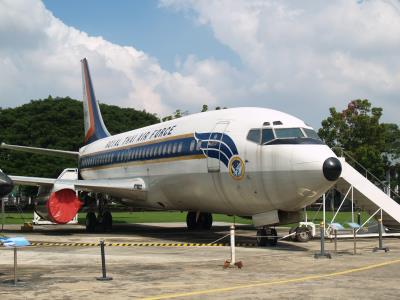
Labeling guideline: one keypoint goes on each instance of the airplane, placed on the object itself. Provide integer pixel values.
(252, 162)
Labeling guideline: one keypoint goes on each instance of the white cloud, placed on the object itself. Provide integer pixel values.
(303, 57)
(299, 57)
(39, 55)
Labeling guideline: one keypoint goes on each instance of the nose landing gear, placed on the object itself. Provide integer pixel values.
(267, 236)
(199, 220)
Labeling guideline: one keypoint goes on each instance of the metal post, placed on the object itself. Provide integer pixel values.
(335, 232)
(323, 210)
(305, 215)
(380, 247)
(352, 204)
(359, 218)
(103, 264)
(233, 254)
(15, 266)
(3, 220)
(322, 253)
(354, 241)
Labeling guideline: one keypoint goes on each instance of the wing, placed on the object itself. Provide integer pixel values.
(35, 181)
(134, 188)
(62, 153)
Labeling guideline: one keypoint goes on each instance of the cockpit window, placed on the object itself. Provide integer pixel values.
(283, 133)
(311, 134)
(254, 135)
(267, 135)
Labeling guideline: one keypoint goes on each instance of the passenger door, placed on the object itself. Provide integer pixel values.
(214, 146)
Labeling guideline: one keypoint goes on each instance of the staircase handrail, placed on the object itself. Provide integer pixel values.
(377, 182)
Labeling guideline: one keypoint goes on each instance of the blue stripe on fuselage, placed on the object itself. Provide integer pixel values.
(166, 149)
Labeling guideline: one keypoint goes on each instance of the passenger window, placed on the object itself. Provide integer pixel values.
(169, 148)
(164, 150)
(160, 148)
(267, 135)
(254, 135)
(174, 148)
(180, 147)
(191, 147)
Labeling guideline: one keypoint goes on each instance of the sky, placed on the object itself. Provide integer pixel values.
(300, 57)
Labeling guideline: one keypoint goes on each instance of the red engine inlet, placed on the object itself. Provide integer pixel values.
(62, 206)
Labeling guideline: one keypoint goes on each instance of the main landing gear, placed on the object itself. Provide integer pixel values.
(267, 236)
(199, 220)
(103, 221)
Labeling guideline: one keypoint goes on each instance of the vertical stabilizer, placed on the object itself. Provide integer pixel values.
(94, 125)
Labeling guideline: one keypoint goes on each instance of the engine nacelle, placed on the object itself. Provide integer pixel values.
(59, 207)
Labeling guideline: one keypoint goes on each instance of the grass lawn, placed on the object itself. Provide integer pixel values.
(342, 217)
(159, 217)
(128, 217)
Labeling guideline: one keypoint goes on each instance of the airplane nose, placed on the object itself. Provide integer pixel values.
(332, 168)
(6, 184)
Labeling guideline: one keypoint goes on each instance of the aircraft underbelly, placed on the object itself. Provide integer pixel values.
(200, 191)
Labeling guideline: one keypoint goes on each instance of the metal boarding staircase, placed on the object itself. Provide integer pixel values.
(369, 195)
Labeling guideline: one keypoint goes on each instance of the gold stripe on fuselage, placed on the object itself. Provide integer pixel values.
(141, 144)
(151, 161)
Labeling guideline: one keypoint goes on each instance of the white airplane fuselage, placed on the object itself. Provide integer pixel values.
(207, 162)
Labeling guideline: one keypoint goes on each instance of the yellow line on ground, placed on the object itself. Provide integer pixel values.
(276, 282)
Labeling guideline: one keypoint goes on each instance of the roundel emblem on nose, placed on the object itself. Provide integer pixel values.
(236, 167)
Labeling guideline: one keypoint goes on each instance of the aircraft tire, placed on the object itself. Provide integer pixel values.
(91, 222)
(261, 239)
(191, 221)
(273, 239)
(106, 221)
(205, 221)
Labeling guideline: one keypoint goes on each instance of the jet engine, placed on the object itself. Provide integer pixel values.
(58, 203)
(60, 207)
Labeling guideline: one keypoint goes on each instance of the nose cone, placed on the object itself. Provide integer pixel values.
(6, 184)
(332, 168)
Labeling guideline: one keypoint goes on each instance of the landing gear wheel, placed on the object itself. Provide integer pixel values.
(91, 222)
(261, 237)
(195, 220)
(302, 234)
(106, 221)
(273, 240)
(191, 220)
(205, 221)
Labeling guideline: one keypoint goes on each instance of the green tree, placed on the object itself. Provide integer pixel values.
(204, 108)
(358, 130)
(55, 123)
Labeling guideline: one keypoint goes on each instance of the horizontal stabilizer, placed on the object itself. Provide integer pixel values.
(53, 152)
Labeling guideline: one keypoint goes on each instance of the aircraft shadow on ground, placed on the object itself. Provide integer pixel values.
(159, 234)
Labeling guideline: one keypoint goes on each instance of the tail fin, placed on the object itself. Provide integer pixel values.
(94, 125)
